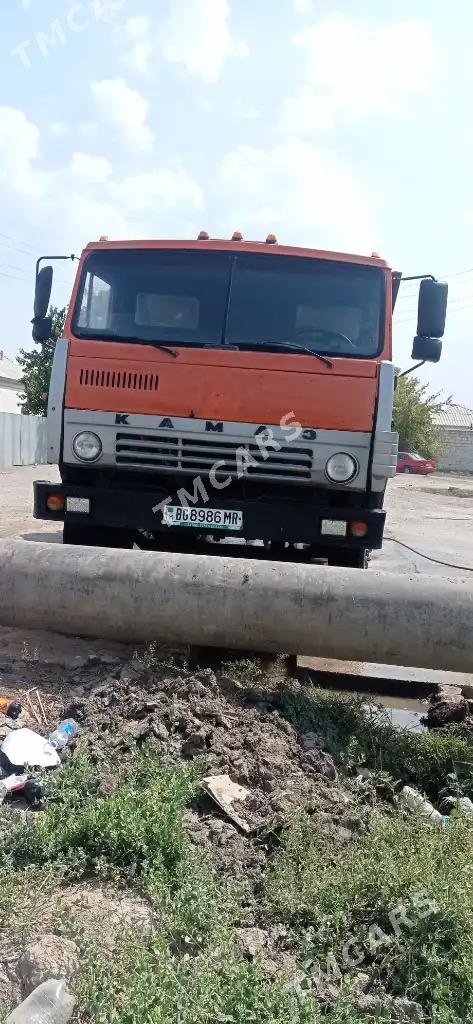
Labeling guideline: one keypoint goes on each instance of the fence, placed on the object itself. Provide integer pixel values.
(23, 440)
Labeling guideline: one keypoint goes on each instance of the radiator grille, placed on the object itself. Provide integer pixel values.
(193, 456)
(123, 379)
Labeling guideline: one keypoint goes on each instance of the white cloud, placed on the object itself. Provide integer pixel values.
(89, 170)
(85, 198)
(303, 6)
(196, 35)
(143, 193)
(124, 108)
(244, 112)
(301, 191)
(354, 70)
(138, 33)
(19, 148)
(306, 113)
(60, 128)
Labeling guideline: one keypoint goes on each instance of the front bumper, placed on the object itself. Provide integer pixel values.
(296, 522)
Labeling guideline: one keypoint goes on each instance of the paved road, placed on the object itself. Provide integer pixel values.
(432, 514)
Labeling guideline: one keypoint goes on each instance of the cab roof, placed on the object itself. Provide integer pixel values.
(224, 245)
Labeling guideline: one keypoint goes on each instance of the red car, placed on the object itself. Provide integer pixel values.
(409, 462)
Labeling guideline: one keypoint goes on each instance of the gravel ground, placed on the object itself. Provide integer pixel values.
(432, 514)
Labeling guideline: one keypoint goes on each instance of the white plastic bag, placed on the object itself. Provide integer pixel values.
(25, 747)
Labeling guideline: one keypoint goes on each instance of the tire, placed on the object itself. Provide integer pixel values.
(96, 536)
(355, 559)
(406, 469)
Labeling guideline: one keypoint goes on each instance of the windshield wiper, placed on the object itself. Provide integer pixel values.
(283, 345)
(154, 344)
(113, 336)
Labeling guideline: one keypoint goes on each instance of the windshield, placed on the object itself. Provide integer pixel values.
(196, 298)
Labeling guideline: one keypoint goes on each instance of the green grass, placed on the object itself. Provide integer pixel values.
(153, 985)
(139, 826)
(398, 860)
(190, 968)
(354, 736)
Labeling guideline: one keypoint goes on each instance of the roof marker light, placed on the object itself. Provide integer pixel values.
(203, 236)
(237, 236)
(271, 240)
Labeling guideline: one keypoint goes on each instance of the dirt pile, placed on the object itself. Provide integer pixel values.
(235, 727)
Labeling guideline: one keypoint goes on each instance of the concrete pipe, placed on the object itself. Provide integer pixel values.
(138, 596)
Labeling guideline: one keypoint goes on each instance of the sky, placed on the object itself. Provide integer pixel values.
(338, 125)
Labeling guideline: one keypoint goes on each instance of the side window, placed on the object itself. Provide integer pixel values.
(95, 306)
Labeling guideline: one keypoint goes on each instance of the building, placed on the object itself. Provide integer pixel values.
(10, 384)
(456, 422)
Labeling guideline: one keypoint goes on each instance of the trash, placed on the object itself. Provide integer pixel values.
(225, 793)
(11, 708)
(63, 734)
(33, 793)
(25, 747)
(50, 1003)
(417, 803)
(13, 784)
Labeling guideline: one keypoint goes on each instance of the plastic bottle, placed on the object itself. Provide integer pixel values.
(50, 1003)
(63, 734)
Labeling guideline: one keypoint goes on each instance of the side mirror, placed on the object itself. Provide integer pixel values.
(44, 283)
(426, 350)
(42, 327)
(433, 298)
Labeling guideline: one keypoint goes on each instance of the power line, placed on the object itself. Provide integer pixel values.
(17, 241)
(446, 277)
(458, 309)
(408, 298)
(15, 277)
(460, 298)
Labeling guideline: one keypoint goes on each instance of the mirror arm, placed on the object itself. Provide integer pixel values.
(419, 277)
(411, 369)
(42, 259)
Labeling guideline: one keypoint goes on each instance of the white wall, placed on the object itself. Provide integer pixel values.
(23, 440)
(458, 452)
(9, 400)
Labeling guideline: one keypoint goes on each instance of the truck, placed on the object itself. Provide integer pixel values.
(226, 395)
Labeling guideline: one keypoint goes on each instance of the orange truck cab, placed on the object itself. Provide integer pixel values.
(209, 390)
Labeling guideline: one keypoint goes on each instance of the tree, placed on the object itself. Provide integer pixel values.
(37, 366)
(413, 418)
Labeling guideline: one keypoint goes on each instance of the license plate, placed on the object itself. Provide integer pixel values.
(207, 518)
(333, 528)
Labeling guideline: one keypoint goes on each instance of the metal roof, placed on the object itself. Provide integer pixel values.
(9, 369)
(459, 416)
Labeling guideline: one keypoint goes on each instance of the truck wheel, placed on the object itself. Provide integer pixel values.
(97, 536)
(358, 559)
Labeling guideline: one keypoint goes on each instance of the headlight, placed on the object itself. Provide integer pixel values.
(341, 468)
(87, 446)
